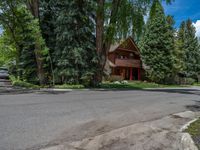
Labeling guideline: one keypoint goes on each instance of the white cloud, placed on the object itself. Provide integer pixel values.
(197, 26)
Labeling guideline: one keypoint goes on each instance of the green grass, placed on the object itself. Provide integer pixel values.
(131, 85)
(194, 131)
(110, 85)
(69, 86)
(197, 84)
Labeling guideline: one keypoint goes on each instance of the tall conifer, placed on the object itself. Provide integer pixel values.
(74, 56)
(157, 45)
(192, 51)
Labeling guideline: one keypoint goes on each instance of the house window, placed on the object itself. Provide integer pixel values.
(131, 55)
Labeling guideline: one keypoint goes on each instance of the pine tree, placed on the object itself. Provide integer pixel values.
(74, 52)
(179, 54)
(192, 51)
(48, 15)
(157, 45)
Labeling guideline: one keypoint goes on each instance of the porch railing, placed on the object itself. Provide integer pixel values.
(128, 63)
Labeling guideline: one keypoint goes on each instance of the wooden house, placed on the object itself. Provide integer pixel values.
(124, 60)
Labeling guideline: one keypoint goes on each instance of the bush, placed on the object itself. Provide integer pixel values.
(19, 83)
(86, 79)
(189, 81)
(25, 84)
(114, 78)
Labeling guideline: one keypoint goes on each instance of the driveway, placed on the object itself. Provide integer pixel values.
(41, 119)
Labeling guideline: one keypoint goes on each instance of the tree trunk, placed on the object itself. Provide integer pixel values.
(99, 39)
(33, 6)
(103, 43)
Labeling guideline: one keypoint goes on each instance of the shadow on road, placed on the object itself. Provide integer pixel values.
(194, 108)
(189, 91)
(180, 91)
(28, 91)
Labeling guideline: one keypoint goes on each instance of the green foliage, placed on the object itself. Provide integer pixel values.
(124, 18)
(70, 86)
(25, 85)
(19, 83)
(7, 51)
(157, 45)
(187, 52)
(189, 81)
(70, 38)
(130, 85)
(192, 51)
(87, 79)
(23, 33)
(179, 53)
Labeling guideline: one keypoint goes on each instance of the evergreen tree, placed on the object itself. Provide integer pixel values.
(48, 14)
(74, 56)
(157, 45)
(171, 44)
(179, 54)
(192, 51)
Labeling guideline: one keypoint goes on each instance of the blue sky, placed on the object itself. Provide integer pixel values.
(184, 9)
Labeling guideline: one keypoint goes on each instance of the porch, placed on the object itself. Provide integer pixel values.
(128, 73)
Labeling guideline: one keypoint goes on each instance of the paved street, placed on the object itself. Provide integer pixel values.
(36, 120)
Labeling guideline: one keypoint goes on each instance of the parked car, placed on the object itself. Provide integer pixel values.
(4, 73)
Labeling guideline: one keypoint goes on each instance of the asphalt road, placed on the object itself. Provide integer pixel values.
(36, 120)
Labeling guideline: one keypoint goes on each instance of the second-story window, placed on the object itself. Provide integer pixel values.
(131, 55)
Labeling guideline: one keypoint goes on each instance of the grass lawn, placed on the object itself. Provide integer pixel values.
(105, 85)
(194, 131)
(129, 85)
(136, 85)
(68, 86)
(197, 84)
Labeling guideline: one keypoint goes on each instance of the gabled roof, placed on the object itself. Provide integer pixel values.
(128, 44)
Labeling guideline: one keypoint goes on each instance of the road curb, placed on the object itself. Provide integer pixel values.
(186, 139)
(187, 142)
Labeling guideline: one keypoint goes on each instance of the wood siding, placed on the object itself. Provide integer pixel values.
(128, 63)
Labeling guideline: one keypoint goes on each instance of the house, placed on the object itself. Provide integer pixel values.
(124, 60)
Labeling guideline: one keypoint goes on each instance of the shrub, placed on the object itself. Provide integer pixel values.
(87, 78)
(189, 81)
(17, 82)
(25, 84)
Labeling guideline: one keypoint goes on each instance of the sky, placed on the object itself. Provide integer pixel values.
(184, 9)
